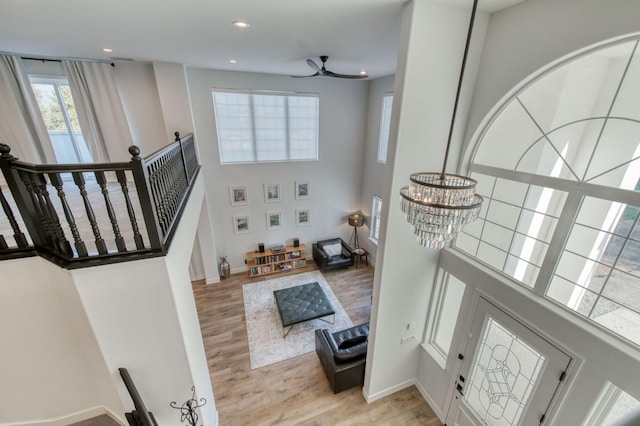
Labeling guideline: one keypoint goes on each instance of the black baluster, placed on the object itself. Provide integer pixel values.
(80, 246)
(3, 243)
(137, 238)
(36, 202)
(78, 178)
(102, 181)
(18, 235)
(62, 244)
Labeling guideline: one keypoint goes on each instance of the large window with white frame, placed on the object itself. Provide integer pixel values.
(376, 212)
(563, 197)
(385, 127)
(266, 126)
(61, 119)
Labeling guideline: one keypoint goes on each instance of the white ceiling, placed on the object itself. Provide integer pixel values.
(355, 34)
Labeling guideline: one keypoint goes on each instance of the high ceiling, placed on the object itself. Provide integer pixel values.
(355, 34)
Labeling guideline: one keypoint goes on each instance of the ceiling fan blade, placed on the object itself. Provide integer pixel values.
(333, 74)
(305, 76)
(313, 65)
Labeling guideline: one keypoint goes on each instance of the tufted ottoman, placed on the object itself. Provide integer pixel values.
(302, 303)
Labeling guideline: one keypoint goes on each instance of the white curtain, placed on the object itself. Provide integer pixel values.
(21, 123)
(100, 112)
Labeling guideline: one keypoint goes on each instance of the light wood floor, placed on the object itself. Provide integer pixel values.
(294, 391)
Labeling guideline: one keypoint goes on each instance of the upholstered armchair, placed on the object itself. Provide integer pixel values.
(343, 355)
(332, 254)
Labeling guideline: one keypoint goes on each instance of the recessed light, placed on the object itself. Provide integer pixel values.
(363, 72)
(241, 24)
(233, 61)
(106, 49)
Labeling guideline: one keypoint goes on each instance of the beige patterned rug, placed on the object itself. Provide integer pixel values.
(264, 327)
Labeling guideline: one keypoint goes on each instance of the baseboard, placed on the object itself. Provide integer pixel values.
(387, 392)
(212, 280)
(430, 401)
(71, 418)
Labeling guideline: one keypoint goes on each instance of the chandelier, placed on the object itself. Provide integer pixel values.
(439, 205)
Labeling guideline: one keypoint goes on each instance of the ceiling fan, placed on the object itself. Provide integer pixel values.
(324, 72)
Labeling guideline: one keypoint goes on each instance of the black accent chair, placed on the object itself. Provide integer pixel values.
(333, 259)
(343, 355)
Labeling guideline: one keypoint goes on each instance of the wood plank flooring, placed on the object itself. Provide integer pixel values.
(294, 391)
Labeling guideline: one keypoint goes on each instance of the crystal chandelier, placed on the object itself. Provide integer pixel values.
(439, 205)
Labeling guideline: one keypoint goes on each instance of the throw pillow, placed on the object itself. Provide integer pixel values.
(333, 249)
(352, 342)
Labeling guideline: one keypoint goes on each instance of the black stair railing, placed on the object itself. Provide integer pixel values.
(140, 416)
(85, 214)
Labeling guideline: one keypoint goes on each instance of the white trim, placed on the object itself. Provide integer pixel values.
(430, 401)
(386, 392)
(213, 280)
(72, 418)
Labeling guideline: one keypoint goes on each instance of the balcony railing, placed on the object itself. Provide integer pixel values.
(86, 214)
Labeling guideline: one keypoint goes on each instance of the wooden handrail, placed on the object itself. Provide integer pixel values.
(45, 198)
(142, 416)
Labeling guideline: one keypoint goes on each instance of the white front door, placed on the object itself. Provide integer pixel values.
(509, 374)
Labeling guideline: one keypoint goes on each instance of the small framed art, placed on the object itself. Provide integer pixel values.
(271, 192)
(238, 195)
(302, 217)
(274, 220)
(302, 190)
(241, 224)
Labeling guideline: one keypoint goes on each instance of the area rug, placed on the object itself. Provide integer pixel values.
(267, 344)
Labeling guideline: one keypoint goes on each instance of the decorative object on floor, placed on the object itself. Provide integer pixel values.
(343, 355)
(332, 254)
(225, 268)
(356, 220)
(264, 327)
(439, 205)
(188, 409)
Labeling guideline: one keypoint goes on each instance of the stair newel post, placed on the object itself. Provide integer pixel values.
(22, 197)
(141, 180)
(183, 156)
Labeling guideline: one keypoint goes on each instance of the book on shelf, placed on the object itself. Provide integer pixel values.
(295, 254)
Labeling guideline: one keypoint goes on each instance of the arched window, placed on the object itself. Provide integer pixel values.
(559, 167)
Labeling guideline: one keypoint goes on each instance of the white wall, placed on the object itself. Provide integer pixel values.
(139, 93)
(335, 180)
(50, 362)
(374, 173)
(519, 41)
(432, 41)
(174, 97)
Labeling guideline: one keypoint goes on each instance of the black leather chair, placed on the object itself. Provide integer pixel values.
(343, 355)
(333, 260)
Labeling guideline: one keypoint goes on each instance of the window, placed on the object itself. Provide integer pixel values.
(385, 125)
(443, 314)
(376, 211)
(260, 127)
(614, 405)
(59, 113)
(559, 166)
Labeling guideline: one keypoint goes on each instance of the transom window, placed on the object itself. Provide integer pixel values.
(563, 195)
(385, 127)
(262, 127)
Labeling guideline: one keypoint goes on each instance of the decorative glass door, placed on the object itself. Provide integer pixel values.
(511, 376)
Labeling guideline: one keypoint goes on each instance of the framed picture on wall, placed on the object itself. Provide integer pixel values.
(274, 220)
(271, 192)
(241, 224)
(302, 190)
(302, 217)
(238, 195)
